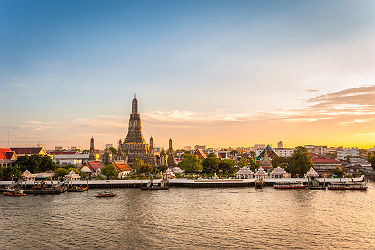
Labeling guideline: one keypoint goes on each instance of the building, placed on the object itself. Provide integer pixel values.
(123, 168)
(151, 153)
(69, 157)
(7, 157)
(320, 150)
(171, 162)
(58, 148)
(200, 153)
(278, 173)
(323, 165)
(244, 173)
(280, 144)
(352, 152)
(29, 151)
(92, 155)
(134, 147)
(108, 145)
(72, 176)
(92, 168)
(284, 152)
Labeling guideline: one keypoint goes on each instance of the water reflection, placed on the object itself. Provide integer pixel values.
(180, 217)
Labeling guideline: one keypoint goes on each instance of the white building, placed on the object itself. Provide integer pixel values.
(245, 173)
(352, 152)
(75, 159)
(278, 173)
(284, 152)
(320, 150)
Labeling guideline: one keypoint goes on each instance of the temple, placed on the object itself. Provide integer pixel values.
(92, 155)
(171, 162)
(134, 147)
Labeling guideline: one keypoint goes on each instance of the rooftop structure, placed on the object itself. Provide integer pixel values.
(200, 153)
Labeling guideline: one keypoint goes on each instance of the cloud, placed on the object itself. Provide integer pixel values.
(36, 125)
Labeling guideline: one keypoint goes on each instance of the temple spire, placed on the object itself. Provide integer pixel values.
(135, 105)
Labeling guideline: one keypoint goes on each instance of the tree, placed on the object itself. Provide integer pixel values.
(339, 172)
(279, 161)
(12, 172)
(300, 162)
(191, 164)
(227, 167)
(109, 171)
(210, 165)
(143, 168)
(61, 172)
(36, 163)
(371, 159)
(242, 163)
(253, 154)
(162, 168)
(113, 150)
(253, 166)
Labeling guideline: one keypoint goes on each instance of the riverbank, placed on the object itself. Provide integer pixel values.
(188, 183)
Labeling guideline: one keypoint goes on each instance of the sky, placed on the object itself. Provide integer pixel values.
(217, 73)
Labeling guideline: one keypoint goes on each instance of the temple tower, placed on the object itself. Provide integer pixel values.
(120, 155)
(151, 156)
(134, 146)
(171, 162)
(92, 155)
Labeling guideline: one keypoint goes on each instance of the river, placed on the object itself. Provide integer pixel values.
(190, 218)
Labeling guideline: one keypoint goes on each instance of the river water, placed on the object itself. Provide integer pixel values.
(190, 218)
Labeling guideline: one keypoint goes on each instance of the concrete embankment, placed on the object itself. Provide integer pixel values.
(189, 183)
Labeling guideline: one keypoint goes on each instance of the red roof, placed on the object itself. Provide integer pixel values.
(6, 154)
(324, 160)
(200, 154)
(121, 166)
(94, 165)
(27, 151)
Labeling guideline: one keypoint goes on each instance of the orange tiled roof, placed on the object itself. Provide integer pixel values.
(121, 166)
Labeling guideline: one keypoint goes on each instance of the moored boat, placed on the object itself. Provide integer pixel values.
(289, 185)
(348, 186)
(77, 189)
(105, 194)
(14, 191)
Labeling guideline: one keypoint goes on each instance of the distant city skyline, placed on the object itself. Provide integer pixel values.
(215, 73)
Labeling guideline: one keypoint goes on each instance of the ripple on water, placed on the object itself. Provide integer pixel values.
(189, 218)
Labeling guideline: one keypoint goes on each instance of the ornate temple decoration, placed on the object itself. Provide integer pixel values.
(134, 146)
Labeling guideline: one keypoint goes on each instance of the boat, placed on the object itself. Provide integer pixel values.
(156, 186)
(77, 189)
(43, 188)
(105, 194)
(289, 185)
(348, 186)
(14, 191)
